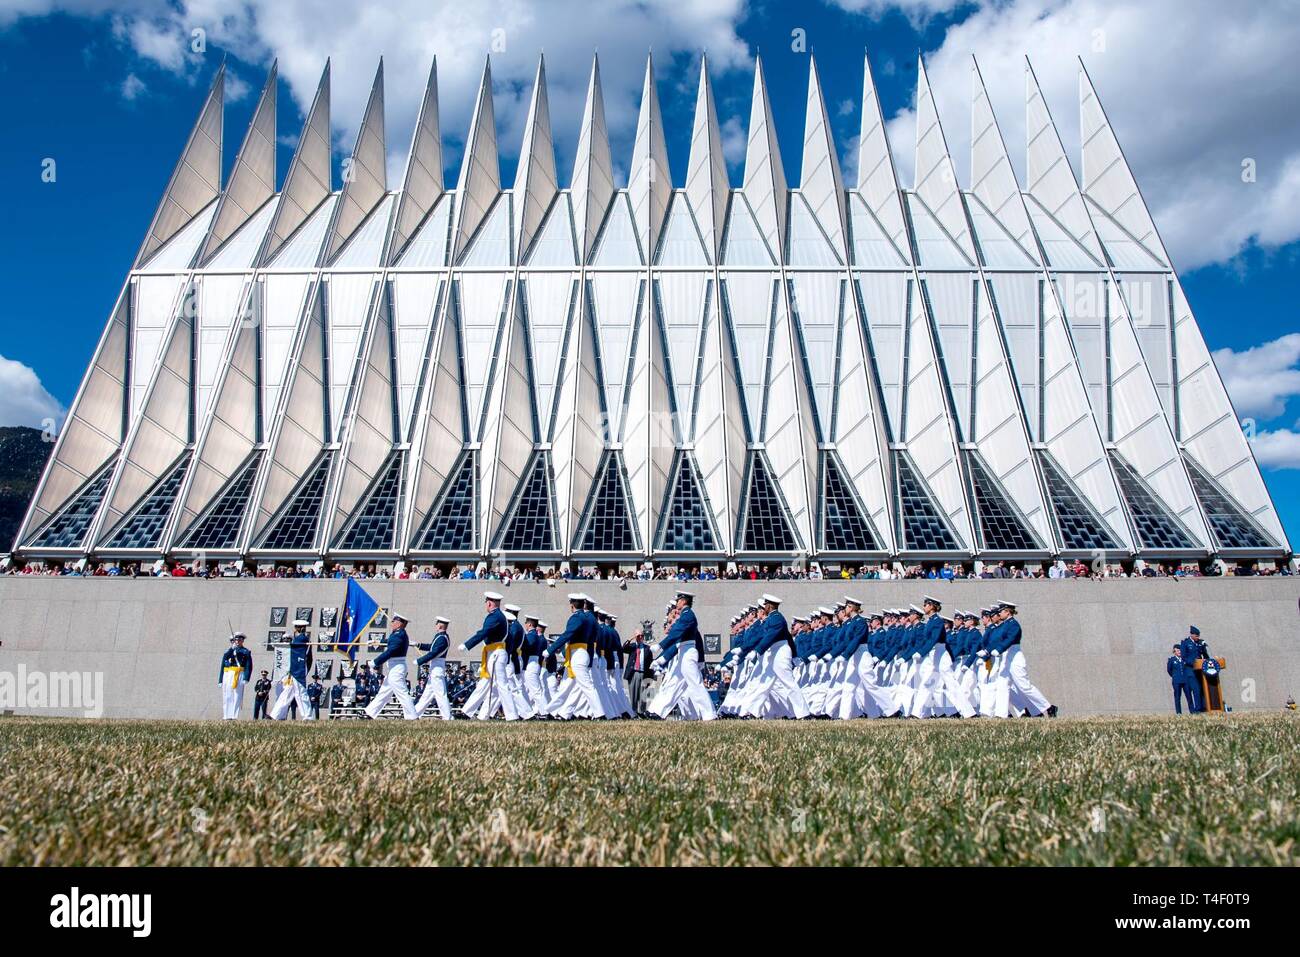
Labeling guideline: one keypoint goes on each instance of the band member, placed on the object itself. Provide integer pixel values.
(493, 688)
(435, 656)
(236, 672)
(293, 689)
(395, 682)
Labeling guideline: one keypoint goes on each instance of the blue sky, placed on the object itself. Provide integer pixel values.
(110, 98)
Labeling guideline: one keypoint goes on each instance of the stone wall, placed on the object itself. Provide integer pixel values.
(1092, 646)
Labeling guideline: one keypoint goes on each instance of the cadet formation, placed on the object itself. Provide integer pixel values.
(833, 662)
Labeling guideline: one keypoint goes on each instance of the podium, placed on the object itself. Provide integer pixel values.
(1208, 671)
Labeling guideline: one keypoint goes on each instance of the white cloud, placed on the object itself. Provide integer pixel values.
(734, 141)
(23, 400)
(1193, 88)
(1262, 378)
(1278, 449)
(408, 33)
(132, 88)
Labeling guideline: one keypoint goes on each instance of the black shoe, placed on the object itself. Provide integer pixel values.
(1051, 711)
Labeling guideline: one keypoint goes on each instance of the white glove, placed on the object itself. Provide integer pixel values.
(462, 646)
(981, 653)
(916, 656)
(997, 655)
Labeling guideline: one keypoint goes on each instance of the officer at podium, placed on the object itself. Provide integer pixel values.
(1184, 680)
(1189, 650)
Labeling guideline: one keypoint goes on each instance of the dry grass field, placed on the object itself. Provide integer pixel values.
(1208, 790)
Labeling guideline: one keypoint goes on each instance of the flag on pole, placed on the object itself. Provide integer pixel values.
(359, 612)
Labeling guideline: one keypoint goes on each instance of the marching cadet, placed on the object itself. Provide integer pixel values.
(236, 671)
(552, 679)
(622, 706)
(435, 656)
(1013, 676)
(578, 697)
(395, 683)
(531, 653)
(600, 658)
(293, 689)
(936, 674)
(780, 692)
(514, 673)
(493, 688)
(680, 654)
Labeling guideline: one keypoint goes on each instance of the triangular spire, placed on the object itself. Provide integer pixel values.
(764, 183)
(535, 181)
(992, 179)
(479, 183)
(820, 181)
(308, 183)
(252, 182)
(1048, 176)
(936, 180)
(1107, 179)
(422, 183)
(877, 179)
(593, 178)
(365, 180)
(649, 184)
(196, 180)
(707, 186)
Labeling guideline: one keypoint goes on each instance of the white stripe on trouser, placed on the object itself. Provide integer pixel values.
(394, 686)
(232, 696)
(435, 690)
(294, 690)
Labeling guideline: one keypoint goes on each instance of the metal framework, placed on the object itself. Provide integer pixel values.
(531, 372)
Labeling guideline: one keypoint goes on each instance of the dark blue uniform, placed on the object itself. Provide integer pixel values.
(1183, 679)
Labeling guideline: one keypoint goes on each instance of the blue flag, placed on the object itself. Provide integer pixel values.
(359, 611)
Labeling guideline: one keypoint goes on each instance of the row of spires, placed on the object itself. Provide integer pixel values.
(196, 181)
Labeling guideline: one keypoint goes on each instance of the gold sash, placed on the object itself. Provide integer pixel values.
(232, 680)
(487, 650)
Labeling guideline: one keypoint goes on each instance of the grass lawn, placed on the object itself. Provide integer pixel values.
(1213, 789)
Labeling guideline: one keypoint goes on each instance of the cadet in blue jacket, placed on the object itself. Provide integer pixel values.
(1191, 649)
(435, 656)
(395, 683)
(493, 688)
(294, 686)
(680, 655)
(578, 697)
(236, 671)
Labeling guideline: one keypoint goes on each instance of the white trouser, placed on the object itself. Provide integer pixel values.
(534, 686)
(294, 690)
(604, 689)
(784, 683)
(1017, 686)
(496, 689)
(579, 697)
(395, 686)
(232, 694)
(435, 690)
(683, 687)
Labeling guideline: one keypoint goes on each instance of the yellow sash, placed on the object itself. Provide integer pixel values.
(487, 650)
(232, 675)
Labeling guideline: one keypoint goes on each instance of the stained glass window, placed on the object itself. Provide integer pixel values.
(295, 529)
(766, 528)
(144, 527)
